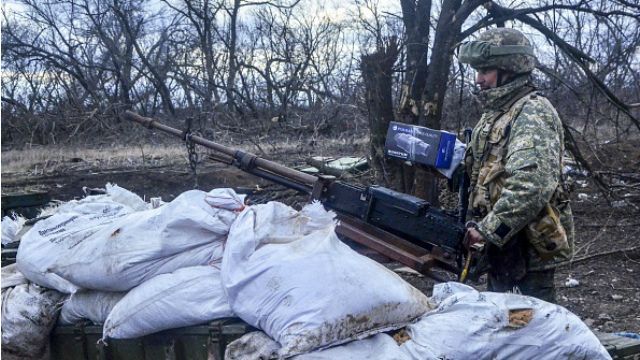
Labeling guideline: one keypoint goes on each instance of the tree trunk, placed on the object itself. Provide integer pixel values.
(376, 70)
(233, 69)
(447, 31)
(415, 16)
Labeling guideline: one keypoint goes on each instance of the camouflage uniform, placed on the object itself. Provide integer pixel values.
(515, 164)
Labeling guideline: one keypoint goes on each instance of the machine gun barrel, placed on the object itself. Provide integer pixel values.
(251, 163)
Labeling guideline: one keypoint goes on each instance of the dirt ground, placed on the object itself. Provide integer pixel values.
(607, 258)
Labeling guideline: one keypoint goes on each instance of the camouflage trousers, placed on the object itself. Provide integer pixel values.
(510, 268)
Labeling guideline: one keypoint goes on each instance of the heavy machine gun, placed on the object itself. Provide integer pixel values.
(402, 227)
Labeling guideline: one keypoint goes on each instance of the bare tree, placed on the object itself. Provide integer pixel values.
(231, 40)
(200, 17)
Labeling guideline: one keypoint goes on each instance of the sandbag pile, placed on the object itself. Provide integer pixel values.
(465, 324)
(102, 244)
(498, 326)
(117, 260)
(138, 269)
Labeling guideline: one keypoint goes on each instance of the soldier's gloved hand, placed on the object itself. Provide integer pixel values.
(472, 237)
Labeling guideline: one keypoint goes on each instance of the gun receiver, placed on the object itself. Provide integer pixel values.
(400, 226)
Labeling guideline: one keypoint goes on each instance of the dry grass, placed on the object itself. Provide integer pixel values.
(46, 159)
(43, 160)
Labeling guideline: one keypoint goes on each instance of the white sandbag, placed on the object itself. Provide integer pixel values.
(126, 197)
(287, 273)
(105, 247)
(28, 314)
(90, 305)
(481, 323)
(53, 239)
(11, 276)
(258, 345)
(11, 226)
(186, 297)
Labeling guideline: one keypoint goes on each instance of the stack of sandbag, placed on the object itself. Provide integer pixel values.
(188, 296)
(468, 324)
(102, 244)
(133, 267)
(28, 314)
(287, 273)
(465, 324)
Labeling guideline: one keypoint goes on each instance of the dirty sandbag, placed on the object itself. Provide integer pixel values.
(287, 273)
(90, 305)
(11, 276)
(498, 326)
(377, 347)
(257, 345)
(133, 247)
(28, 315)
(189, 296)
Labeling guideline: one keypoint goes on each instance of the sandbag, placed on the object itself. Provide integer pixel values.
(257, 346)
(126, 197)
(113, 193)
(28, 315)
(90, 305)
(287, 273)
(107, 246)
(11, 226)
(11, 276)
(186, 297)
(468, 324)
(53, 239)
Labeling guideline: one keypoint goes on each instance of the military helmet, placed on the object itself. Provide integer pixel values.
(501, 48)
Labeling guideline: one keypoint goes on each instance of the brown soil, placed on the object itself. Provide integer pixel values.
(607, 297)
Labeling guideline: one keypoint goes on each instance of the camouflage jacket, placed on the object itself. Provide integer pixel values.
(515, 163)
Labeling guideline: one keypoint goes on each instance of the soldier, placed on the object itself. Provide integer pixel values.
(517, 198)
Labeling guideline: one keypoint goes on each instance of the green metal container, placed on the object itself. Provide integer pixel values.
(27, 204)
(209, 341)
